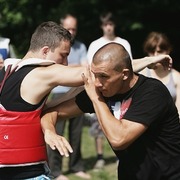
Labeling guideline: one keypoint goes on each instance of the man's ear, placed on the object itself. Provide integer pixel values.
(125, 74)
(45, 51)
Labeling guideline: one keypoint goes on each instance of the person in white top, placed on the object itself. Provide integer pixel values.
(6, 50)
(157, 43)
(108, 24)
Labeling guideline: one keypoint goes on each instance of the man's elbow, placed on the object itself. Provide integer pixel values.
(118, 144)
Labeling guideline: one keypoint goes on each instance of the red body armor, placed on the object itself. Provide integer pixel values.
(21, 137)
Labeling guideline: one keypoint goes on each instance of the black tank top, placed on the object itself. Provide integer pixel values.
(10, 96)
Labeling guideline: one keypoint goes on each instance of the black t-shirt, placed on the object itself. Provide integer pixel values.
(155, 155)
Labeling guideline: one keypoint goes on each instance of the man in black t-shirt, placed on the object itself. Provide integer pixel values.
(137, 115)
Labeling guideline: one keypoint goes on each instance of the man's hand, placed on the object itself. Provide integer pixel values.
(89, 86)
(55, 141)
(58, 142)
(165, 60)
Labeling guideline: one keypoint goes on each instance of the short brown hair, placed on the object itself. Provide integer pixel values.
(155, 39)
(49, 34)
(107, 17)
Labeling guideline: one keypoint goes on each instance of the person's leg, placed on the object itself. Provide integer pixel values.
(96, 132)
(75, 131)
(99, 146)
(54, 158)
(99, 142)
(76, 164)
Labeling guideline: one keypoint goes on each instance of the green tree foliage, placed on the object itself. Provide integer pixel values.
(136, 18)
(18, 19)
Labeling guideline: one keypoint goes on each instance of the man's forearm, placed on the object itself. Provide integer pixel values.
(48, 121)
(140, 64)
(150, 61)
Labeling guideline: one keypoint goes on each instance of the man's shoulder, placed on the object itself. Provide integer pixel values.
(97, 40)
(151, 83)
(4, 39)
(121, 40)
(79, 43)
(175, 75)
(98, 43)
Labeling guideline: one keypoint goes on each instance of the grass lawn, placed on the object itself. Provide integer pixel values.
(89, 155)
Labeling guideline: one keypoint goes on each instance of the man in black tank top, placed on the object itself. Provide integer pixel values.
(25, 85)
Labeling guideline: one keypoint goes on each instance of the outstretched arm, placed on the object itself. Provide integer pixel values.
(52, 139)
(66, 110)
(140, 64)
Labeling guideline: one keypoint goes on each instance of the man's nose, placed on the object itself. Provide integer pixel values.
(97, 83)
(65, 61)
(156, 53)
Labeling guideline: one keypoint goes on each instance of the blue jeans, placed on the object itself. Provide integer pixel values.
(41, 177)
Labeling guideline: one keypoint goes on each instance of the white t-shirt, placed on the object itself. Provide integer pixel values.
(97, 44)
(4, 47)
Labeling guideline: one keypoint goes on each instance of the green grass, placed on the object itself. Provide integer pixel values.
(89, 156)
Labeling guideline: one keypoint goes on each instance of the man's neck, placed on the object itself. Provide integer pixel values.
(129, 83)
(110, 37)
(31, 55)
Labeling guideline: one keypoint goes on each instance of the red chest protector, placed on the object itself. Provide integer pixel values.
(21, 137)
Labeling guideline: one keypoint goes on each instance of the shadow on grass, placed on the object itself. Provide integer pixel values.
(90, 162)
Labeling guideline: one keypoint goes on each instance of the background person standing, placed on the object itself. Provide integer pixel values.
(157, 43)
(6, 50)
(77, 56)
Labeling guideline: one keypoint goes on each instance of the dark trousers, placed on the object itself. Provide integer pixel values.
(75, 158)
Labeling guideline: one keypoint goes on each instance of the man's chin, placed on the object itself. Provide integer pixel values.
(105, 94)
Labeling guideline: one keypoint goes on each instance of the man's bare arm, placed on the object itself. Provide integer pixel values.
(51, 138)
(65, 110)
(140, 64)
(44, 79)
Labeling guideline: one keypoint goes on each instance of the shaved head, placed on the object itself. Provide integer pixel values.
(115, 54)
